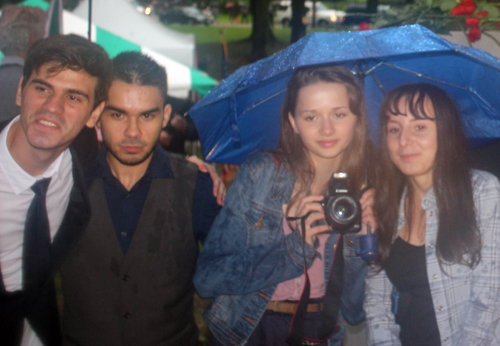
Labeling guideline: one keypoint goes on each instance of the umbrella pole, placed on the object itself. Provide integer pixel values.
(90, 20)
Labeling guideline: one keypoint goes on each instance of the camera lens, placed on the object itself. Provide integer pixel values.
(343, 210)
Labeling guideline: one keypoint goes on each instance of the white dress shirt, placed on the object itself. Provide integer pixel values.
(15, 198)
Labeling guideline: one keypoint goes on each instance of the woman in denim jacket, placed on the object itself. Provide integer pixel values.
(252, 261)
(439, 230)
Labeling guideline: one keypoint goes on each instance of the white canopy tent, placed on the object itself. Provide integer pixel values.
(121, 18)
(181, 78)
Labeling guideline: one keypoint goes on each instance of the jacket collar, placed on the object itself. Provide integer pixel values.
(75, 219)
(429, 201)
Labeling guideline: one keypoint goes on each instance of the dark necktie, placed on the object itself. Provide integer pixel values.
(36, 247)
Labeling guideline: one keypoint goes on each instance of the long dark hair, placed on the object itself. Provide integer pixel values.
(292, 151)
(458, 239)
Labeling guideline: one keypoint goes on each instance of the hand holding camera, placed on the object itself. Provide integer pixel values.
(310, 208)
(341, 211)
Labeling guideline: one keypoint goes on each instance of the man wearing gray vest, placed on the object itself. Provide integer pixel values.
(129, 279)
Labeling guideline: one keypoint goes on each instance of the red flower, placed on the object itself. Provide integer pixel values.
(472, 22)
(474, 34)
(364, 26)
(482, 14)
(463, 10)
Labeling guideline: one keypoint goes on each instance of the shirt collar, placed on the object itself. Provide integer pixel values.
(159, 167)
(18, 178)
(429, 201)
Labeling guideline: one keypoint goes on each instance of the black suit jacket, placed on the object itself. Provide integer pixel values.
(41, 307)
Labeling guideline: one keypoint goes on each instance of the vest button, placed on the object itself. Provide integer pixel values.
(125, 278)
(350, 243)
(126, 315)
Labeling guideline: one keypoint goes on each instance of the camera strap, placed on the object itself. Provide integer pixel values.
(331, 300)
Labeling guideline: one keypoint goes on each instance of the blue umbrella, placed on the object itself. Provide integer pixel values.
(241, 114)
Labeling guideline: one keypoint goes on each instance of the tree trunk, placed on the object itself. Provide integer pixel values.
(371, 6)
(298, 26)
(261, 28)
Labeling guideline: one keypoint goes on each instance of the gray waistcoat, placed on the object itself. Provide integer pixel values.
(144, 297)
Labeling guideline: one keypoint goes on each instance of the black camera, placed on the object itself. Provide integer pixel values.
(343, 214)
(342, 209)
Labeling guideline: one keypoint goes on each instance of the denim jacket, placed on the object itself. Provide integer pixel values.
(246, 255)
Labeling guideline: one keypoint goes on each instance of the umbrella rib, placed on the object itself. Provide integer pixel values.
(370, 70)
(421, 75)
(263, 101)
(381, 87)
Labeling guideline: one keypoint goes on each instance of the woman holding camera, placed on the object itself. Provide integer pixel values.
(252, 263)
(438, 279)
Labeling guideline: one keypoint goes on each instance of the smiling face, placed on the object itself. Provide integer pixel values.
(412, 142)
(324, 122)
(131, 122)
(55, 107)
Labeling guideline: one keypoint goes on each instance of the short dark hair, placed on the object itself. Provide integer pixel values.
(140, 69)
(71, 52)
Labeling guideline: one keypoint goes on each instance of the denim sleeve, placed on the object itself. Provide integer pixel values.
(481, 326)
(380, 323)
(353, 294)
(246, 249)
(205, 207)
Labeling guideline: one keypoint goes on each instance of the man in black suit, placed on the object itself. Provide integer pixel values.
(43, 203)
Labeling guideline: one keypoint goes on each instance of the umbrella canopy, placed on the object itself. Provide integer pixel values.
(241, 114)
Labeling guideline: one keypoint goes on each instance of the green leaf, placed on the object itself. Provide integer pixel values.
(492, 9)
(447, 5)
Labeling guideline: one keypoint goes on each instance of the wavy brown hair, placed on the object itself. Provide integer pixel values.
(71, 52)
(292, 151)
(458, 238)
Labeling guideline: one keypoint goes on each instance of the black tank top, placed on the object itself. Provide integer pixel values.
(407, 271)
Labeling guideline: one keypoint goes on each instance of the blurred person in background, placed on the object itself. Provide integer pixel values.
(20, 27)
(180, 127)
